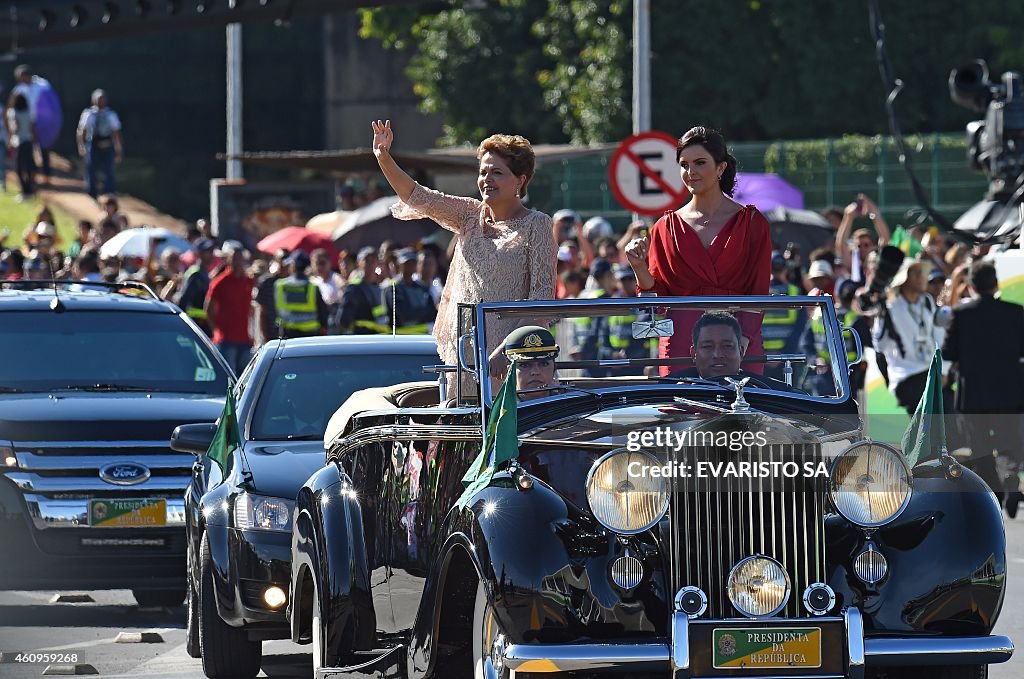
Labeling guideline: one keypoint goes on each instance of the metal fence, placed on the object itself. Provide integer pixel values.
(828, 171)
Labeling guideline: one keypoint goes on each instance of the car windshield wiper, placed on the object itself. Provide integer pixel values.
(103, 387)
(304, 437)
(11, 390)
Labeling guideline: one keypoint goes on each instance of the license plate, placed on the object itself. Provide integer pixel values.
(767, 648)
(128, 513)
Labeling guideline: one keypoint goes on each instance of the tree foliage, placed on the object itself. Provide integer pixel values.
(559, 70)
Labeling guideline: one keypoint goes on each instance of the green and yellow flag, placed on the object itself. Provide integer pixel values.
(501, 440)
(902, 239)
(227, 437)
(926, 434)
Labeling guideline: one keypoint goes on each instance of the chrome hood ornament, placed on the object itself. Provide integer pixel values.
(740, 405)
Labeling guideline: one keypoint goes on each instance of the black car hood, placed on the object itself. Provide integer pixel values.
(614, 426)
(280, 469)
(106, 416)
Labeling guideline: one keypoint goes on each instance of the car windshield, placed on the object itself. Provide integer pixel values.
(302, 392)
(106, 351)
(784, 344)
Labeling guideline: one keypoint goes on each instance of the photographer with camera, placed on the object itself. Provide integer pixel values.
(905, 331)
(854, 251)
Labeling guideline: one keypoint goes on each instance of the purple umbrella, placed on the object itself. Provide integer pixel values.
(766, 191)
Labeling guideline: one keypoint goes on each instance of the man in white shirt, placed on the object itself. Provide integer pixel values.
(906, 333)
(32, 87)
(99, 143)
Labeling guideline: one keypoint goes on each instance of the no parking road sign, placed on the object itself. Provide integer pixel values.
(644, 175)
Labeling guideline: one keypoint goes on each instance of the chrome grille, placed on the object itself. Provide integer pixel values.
(58, 480)
(714, 523)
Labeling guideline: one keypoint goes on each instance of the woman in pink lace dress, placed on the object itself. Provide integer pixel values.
(505, 251)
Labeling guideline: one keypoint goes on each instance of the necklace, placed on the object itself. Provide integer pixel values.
(707, 218)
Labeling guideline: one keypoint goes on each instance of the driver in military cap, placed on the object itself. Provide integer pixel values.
(534, 350)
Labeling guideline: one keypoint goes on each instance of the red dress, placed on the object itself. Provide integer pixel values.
(738, 262)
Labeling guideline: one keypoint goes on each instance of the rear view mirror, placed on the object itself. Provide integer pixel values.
(193, 438)
(657, 328)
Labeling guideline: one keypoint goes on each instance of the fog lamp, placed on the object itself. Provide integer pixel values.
(627, 572)
(11, 461)
(274, 596)
(870, 565)
(758, 586)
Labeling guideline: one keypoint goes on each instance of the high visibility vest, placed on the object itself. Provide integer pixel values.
(378, 324)
(414, 329)
(582, 325)
(620, 335)
(195, 313)
(777, 326)
(821, 344)
(296, 305)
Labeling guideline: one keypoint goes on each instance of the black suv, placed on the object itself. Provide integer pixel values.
(95, 378)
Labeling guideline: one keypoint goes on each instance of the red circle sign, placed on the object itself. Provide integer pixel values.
(644, 176)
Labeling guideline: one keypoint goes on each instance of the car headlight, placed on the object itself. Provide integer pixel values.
(758, 586)
(871, 483)
(255, 512)
(624, 496)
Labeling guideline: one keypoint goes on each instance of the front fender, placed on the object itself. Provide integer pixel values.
(215, 508)
(546, 569)
(328, 544)
(946, 554)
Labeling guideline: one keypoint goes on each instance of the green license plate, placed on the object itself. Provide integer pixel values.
(766, 648)
(128, 513)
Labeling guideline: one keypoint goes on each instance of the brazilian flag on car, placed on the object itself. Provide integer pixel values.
(227, 437)
(925, 437)
(501, 440)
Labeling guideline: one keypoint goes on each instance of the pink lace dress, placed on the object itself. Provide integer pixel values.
(512, 259)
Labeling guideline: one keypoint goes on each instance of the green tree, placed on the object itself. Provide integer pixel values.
(477, 68)
(588, 85)
(561, 69)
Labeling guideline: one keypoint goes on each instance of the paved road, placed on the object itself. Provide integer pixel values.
(29, 620)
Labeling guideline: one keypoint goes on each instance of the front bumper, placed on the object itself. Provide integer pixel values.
(674, 655)
(256, 559)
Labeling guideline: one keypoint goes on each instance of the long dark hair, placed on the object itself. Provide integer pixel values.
(714, 143)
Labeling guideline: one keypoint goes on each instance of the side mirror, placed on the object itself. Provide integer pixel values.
(193, 438)
(656, 328)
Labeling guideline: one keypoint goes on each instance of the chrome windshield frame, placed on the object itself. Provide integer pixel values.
(531, 308)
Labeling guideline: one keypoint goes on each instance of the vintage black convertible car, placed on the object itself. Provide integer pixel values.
(675, 522)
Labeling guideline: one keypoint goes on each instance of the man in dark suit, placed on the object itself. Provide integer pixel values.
(986, 340)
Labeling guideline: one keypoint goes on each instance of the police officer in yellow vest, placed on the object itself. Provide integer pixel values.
(621, 343)
(782, 329)
(300, 310)
(816, 343)
(362, 310)
(196, 283)
(590, 334)
(410, 307)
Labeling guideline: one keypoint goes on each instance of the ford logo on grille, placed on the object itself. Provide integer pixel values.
(124, 473)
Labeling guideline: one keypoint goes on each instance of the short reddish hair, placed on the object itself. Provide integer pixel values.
(514, 150)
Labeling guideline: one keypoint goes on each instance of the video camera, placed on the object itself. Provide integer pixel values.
(890, 258)
(995, 148)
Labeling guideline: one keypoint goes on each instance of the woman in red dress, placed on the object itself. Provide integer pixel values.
(711, 246)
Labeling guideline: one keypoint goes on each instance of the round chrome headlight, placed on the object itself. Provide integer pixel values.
(758, 586)
(871, 483)
(623, 493)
